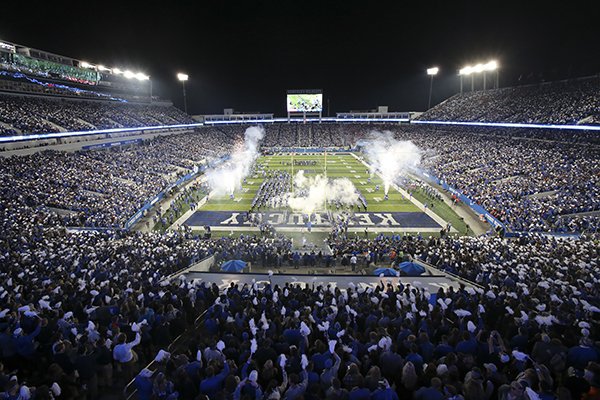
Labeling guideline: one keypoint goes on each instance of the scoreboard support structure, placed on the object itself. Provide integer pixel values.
(291, 115)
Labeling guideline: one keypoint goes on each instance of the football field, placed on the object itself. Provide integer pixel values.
(396, 213)
(336, 166)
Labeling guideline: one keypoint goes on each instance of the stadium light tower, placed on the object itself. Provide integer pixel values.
(465, 71)
(491, 66)
(140, 76)
(431, 72)
(183, 78)
(477, 69)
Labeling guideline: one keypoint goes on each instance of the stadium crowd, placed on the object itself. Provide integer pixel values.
(564, 102)
(313, 135)
(82, 312)
(529, 185)
(78, 301)
(70, 300)
(47, 69)
(105, 188)
(526, 333)
(29, 115)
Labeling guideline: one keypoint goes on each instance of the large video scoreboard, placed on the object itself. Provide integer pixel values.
(304, 101)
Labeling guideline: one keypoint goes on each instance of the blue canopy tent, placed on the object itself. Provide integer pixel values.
(233, 266)
(409, 268)
(385, 272)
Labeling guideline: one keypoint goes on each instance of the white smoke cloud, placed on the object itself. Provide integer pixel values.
(311, 193)
(224, 179)
(389, 157)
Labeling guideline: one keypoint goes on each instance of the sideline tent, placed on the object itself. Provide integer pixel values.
(233, 266)
(385, 272)
(411, 269)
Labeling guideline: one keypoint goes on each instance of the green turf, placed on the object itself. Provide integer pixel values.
(444, 211)
(338, 166)
(184, 207)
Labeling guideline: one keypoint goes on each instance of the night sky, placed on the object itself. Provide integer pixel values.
(362, 54)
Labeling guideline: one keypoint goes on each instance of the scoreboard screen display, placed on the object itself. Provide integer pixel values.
(305, 102)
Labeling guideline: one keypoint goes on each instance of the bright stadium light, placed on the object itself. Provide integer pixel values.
(182, 78)
(103, 68)
(84, 64)
(129, 74)
(468, 70)
(140, 76)
(432, 71)
(464, 71)
(117, 71)
(491, 66)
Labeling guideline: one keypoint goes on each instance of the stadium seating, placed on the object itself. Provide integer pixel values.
(28, 115)
(565, 102)
(48, 69)
(527, 184)
(534, 310)
(96, 301)
(105, 188)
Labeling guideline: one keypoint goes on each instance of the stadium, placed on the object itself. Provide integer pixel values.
(151, 250)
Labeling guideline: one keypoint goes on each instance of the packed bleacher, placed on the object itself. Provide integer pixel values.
(530, 185)
(56, 342)
(105, 188)
(34, 115)
(69, 301)
(528, 331)
(565, 102)
(313, 135)
(47, 69)
(82, 312)
(531, 326)
(539, 295)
